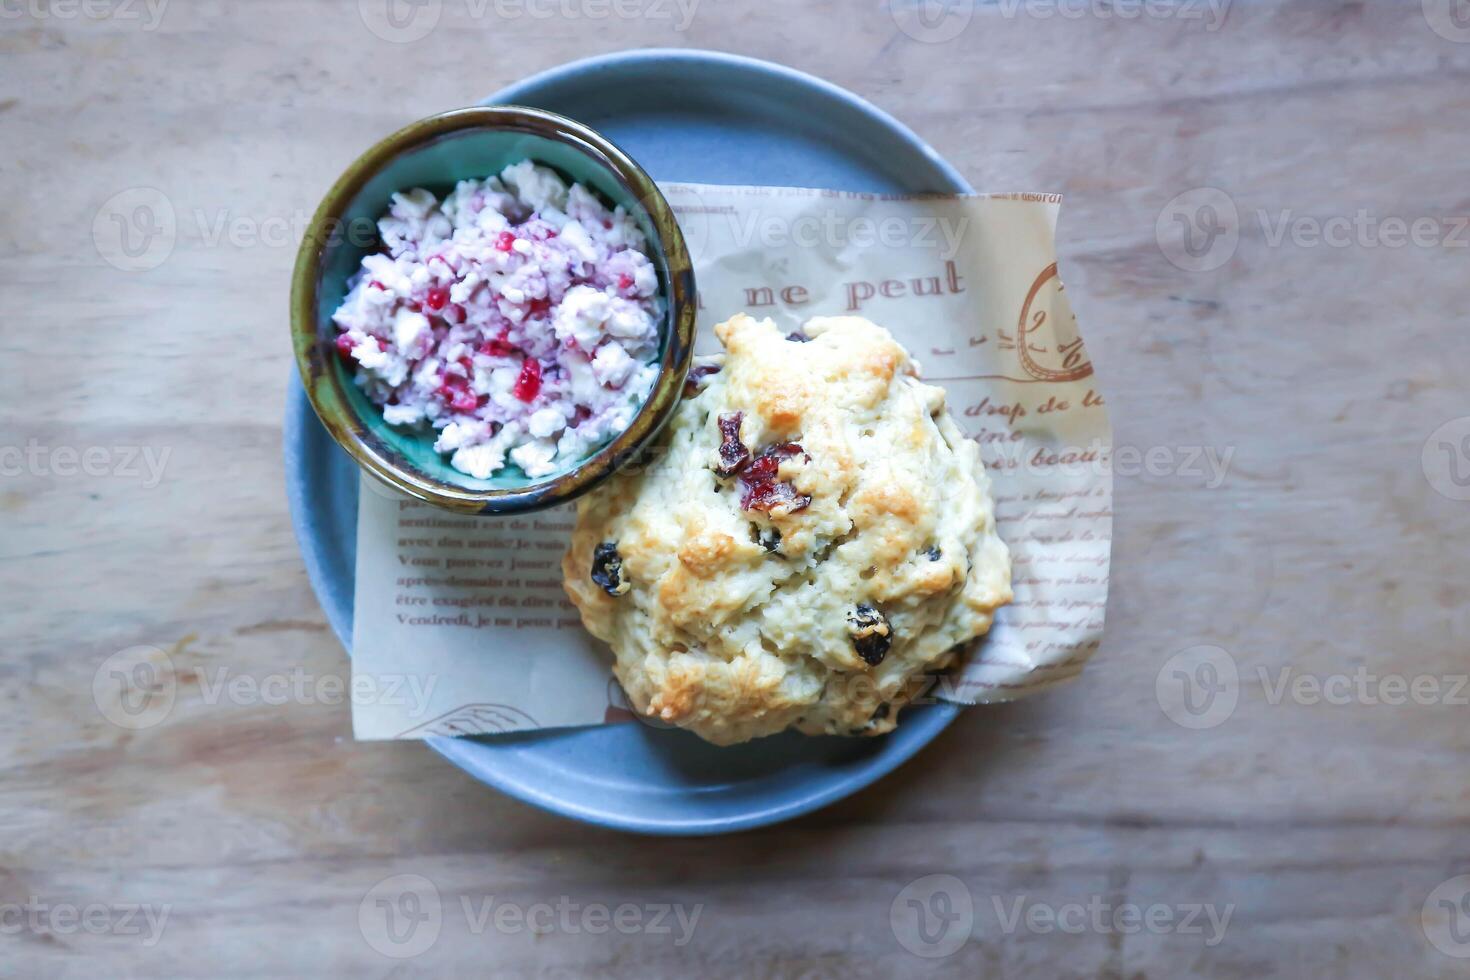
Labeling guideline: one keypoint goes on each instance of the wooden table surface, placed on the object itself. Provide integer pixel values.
(1091, 832)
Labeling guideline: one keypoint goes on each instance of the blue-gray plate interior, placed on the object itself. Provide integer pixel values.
(693, 116)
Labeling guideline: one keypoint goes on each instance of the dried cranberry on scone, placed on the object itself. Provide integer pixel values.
(815, 540)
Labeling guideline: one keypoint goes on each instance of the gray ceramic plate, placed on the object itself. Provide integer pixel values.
(684, 116)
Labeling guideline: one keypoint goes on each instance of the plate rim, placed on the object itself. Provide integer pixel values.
(931, 719)
(699, 57)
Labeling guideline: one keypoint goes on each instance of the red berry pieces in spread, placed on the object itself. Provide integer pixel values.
(344, 346)
(498, 346)
(378, 285)
(625, 283)
(607, 569)
(733, 454)
(504, 241)
(528, 385)
(456, 390)
(760, 488)
(539, 307)
(438, 296)
(871, 634)
(457, 394)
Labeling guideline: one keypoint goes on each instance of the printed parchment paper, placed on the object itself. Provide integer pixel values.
(461, 625)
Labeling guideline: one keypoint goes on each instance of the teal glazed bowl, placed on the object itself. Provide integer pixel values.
(435, 153)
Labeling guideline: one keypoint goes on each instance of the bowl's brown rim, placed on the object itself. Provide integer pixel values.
(314, 352)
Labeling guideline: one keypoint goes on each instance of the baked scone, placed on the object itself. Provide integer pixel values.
(812, 540)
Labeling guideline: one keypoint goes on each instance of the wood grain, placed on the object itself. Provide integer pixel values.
(1321, 370)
